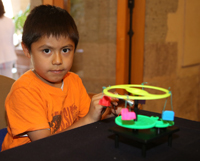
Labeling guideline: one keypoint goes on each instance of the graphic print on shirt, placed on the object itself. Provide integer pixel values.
(63, 119)
(55, 123)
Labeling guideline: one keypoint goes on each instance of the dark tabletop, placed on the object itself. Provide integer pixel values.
(94, 142)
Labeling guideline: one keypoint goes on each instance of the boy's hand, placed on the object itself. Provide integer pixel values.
(95, 111)
(115, 110)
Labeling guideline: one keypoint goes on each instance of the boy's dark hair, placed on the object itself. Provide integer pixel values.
(2, 11)
(47, 20)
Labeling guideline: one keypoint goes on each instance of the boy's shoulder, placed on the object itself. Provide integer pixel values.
(73, 80)
(25, 80)
(72, 76)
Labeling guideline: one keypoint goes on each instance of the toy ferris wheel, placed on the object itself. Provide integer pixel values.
(133, 120)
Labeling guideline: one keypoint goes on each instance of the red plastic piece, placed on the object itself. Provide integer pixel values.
(105, 101)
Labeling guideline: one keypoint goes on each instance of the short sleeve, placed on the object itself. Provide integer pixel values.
(84, 100)
(26, 111)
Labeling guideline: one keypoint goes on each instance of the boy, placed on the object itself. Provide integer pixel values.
(49, 98)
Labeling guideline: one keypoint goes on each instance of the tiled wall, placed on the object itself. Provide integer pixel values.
(96, 21)
(163, 59)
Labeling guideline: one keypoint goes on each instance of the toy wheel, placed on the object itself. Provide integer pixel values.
(138, 94)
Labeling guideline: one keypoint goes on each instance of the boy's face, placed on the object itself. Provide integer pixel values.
(52, 58)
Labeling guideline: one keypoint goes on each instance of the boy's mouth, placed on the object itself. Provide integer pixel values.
(56, 71)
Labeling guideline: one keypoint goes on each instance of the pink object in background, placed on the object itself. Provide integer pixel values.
(105, 101)
(126, 115)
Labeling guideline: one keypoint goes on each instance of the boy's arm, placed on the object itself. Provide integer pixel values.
(38, 134)
(94, 114)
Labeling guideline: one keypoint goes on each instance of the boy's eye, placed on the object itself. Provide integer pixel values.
(66, 50)
(47, 51)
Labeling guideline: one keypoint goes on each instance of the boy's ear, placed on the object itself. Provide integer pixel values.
(26, 51)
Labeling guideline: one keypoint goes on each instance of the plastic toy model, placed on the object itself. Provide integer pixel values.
(140, 121)
(141, 128)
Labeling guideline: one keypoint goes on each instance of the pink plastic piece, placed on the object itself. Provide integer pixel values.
(105, 101)
(126, 115)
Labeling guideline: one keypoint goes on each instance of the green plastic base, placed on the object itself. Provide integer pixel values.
(143, 122)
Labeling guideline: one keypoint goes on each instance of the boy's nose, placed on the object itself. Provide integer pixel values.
(57, 59)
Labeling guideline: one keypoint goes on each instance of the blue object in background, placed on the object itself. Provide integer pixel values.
(3, 133)
(168, 115)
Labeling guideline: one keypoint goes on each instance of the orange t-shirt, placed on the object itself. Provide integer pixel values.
(33, 105)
